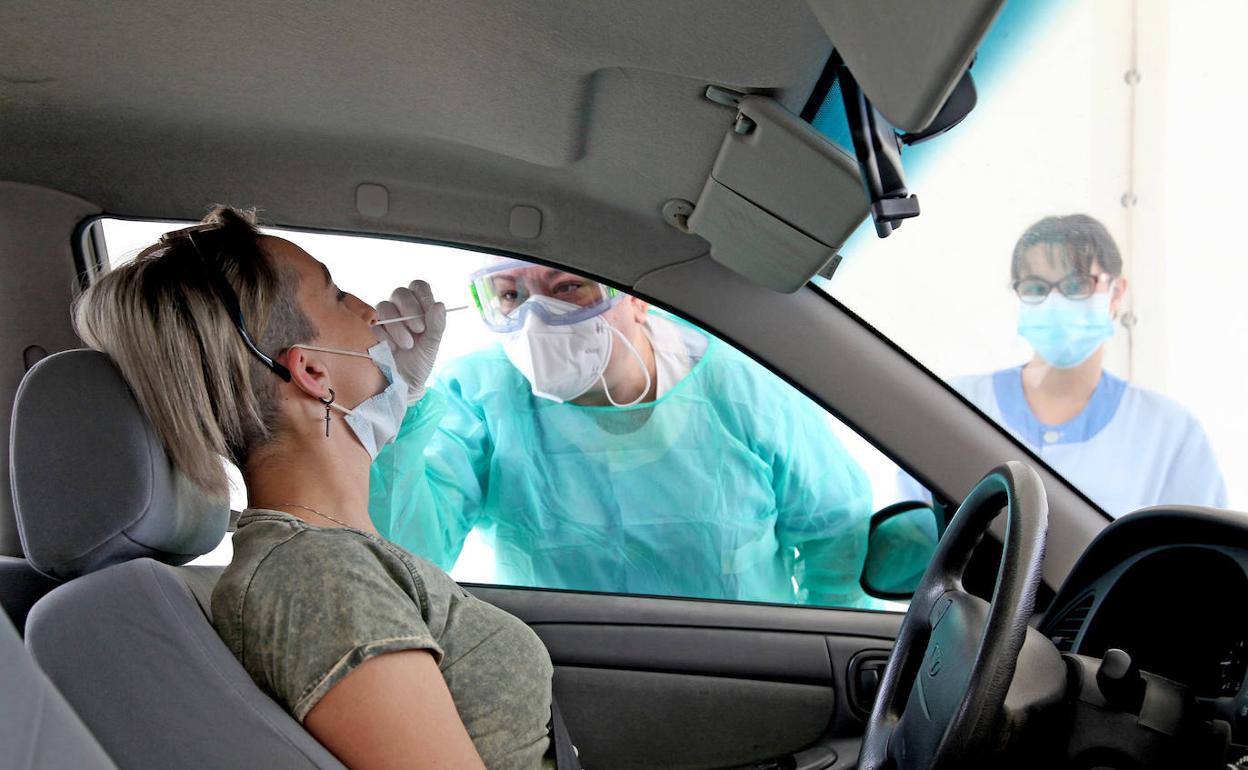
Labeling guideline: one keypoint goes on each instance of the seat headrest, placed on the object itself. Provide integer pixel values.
(92, 484)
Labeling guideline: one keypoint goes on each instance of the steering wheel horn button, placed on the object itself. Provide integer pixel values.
(938, 612)
(937, 658)
(959, 622)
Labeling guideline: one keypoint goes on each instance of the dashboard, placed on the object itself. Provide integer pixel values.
(1170, 587)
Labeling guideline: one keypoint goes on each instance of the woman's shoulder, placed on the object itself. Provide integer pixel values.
(301, 606)
(269, 538)
(277, 554)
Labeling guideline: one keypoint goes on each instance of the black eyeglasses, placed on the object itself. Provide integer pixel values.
(223, 289)
(1033, 289)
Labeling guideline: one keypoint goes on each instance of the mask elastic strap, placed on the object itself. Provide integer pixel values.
(318, 348)
(645, 370)
(332, 350)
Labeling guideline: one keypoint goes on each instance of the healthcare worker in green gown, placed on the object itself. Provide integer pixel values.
(606, 446)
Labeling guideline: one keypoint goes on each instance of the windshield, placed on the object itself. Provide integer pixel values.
(1075, 271)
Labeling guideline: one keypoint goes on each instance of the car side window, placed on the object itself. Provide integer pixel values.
(522, 467)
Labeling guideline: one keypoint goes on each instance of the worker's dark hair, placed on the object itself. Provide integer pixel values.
(1076, 240)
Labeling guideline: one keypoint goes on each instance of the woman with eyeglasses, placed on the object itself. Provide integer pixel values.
(1124, 446)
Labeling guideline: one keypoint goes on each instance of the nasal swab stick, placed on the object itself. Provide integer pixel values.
(411, 317)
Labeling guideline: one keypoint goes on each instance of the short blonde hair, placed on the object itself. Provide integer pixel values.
(165, 325)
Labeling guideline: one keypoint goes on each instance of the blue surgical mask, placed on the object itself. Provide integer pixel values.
(376, 420)
(1066, 332)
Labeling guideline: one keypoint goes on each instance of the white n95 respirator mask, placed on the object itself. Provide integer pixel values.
(563, 361)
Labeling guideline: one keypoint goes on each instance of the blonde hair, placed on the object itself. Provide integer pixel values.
(163, 322)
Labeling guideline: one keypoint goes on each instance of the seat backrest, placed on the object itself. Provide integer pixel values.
(132, 649)
(128, 639)
(38, 729)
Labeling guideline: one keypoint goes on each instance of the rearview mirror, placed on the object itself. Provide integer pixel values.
(900, 542)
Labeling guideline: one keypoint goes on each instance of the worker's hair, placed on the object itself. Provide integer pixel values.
(1076, 241)
(163, 321)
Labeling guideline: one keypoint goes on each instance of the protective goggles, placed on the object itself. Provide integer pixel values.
(502, 293)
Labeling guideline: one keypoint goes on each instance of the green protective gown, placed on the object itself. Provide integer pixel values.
(729, 486)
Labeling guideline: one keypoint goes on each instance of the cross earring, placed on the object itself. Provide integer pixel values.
(327, 403)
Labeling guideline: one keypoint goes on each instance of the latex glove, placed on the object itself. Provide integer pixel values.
(413, 342)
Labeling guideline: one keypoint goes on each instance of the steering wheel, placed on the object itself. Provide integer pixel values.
(940, 700)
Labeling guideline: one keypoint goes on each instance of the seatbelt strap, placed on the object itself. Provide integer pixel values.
(565, 753)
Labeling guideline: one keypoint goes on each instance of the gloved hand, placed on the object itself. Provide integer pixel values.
(413, 342)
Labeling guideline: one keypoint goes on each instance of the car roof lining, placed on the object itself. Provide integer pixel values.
(592, 112)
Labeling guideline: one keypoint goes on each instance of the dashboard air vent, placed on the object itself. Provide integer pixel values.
(1066, 628)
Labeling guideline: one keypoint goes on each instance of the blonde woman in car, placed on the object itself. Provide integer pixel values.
(239, 345)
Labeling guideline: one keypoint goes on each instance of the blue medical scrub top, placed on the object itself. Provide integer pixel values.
(1129, 448)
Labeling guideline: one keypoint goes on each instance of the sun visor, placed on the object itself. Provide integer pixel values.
(907, 57)
(780, 200)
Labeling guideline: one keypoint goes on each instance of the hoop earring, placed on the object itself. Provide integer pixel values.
(332, 396)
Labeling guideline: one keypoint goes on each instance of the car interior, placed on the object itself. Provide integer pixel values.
(668, 150)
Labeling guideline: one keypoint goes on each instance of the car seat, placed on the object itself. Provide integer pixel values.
(127, 638)
(38, 729)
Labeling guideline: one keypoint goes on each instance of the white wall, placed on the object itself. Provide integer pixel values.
(1204, 347)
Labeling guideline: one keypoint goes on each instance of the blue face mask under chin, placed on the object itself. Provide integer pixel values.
(376, 420)
(1066, 332)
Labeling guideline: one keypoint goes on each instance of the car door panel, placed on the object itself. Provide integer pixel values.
(685, 683)
(766, 655)
(643, 719)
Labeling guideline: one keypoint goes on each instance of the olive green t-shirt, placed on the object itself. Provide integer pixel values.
(301, 606)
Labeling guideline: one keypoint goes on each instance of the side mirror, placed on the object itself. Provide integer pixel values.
(900, 542)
